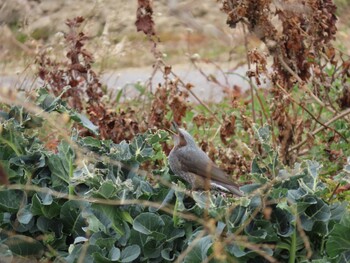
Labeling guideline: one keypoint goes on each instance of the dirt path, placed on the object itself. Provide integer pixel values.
(125, 78)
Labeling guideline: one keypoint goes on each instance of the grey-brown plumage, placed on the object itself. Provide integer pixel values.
(188, 161)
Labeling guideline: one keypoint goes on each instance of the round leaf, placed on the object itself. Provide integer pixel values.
(147, 223)
(130, 253)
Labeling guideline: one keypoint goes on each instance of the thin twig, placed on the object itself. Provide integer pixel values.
(311, 115)
(249, 67)
(333, 193)
(302, 84)
(168, 209)
(303, 235)
(182, 256)
(195, 96)
(340, 115)
(207, 77)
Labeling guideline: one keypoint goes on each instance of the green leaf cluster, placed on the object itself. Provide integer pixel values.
(89, 199)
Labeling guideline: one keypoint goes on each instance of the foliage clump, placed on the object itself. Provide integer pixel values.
(95, 202)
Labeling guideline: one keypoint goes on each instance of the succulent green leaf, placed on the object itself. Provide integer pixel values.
(47, 210)
(24, 245)
(60, 164)
(24, 215)
(11, 200)
(130, 253)
(338, 243)
(72, 217)
(148, 223)
(84, 121)
(199, 252)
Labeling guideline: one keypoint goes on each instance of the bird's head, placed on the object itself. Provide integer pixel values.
(182, 137)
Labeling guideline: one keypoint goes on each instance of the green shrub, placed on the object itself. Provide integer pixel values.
(90, 199)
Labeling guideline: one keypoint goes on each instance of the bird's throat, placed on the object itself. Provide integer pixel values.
(182, 141)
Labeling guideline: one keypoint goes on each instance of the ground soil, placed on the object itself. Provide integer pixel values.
(183, 28)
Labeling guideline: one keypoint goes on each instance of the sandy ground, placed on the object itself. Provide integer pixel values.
(125, 79)
(185, 28)
(27, 26)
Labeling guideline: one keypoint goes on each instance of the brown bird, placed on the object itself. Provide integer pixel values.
(192, 164)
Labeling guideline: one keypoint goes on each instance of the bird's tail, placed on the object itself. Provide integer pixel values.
(227, 188)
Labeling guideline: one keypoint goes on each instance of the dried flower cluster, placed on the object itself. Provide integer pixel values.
(297, 35)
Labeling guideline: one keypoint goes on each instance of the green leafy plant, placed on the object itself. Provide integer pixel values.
(91, 199)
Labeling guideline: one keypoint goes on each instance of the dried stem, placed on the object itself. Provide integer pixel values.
(302, 84)
(195, 96)
(333, 192)
(249, 67)
(311, 115)
(337, 117)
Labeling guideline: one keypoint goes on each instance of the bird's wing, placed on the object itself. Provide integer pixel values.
(196, 161)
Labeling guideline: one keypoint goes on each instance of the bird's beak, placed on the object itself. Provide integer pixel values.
(178, 136)
(175, 127)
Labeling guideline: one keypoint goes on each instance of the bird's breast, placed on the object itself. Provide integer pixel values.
(175, 164)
